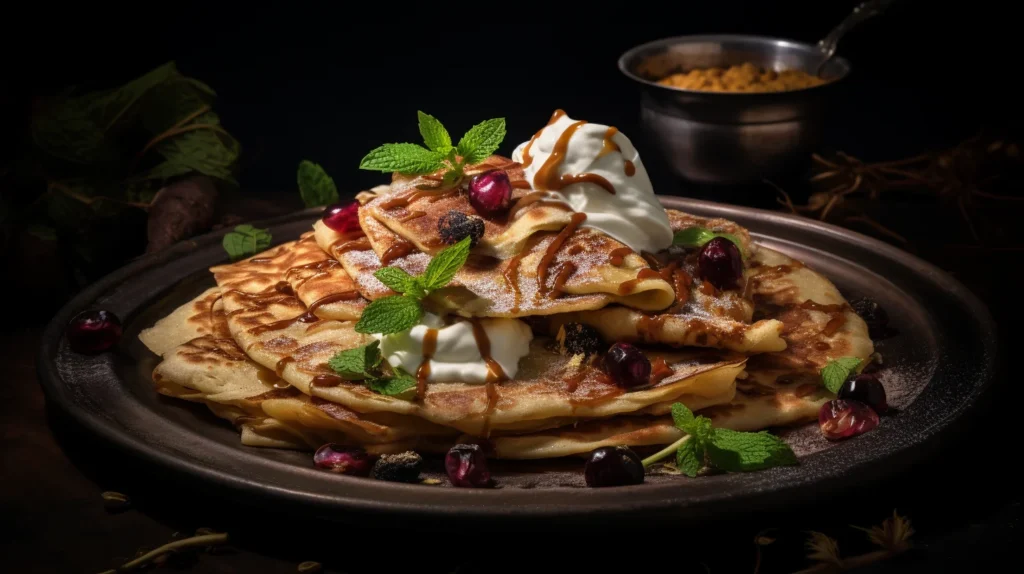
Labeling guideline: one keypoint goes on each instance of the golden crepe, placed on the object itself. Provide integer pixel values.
(210, 368)
(778, 389)
(701, 315)
(277, 332)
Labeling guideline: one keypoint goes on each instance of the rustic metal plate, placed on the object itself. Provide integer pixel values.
(939, 362)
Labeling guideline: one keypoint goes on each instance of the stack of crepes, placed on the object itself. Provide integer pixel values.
(585, 242)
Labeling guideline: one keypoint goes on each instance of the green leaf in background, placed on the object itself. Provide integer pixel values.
(210, 152)
(316, 187)
(434, 134)
(42, 232)
(482, 140)
(246, 241)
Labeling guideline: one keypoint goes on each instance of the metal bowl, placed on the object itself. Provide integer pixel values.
(731, 137)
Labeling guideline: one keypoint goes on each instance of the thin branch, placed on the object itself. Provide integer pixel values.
(195, 541)
(878, 226)
(54, 185)
(967, 218)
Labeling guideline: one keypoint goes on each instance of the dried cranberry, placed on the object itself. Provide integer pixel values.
(627, 366)
(93, 331)
(490, 192)
(343, 460)
(466, 465)
(867, 389)
(613, 466)
(342, 217)
(720, 263)
(873, 314)
(454, 226)
(577, 338)
(402, 467)
(841, 419)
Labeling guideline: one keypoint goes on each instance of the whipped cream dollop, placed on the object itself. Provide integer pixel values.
(595, 170)
(457, 355)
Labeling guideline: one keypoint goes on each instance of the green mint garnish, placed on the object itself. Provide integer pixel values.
(357, 364)
(475, 146)
(246, 241)
(837, 371)
(316, 187)
(401, 385)
(397, 313)
(698, 236)
(725, 449)
(364, 363)
(388, 315)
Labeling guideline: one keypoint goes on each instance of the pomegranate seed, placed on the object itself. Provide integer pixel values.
(342, 217)
(490, 192)
(840, 419)
(466, 465)
(343, 460)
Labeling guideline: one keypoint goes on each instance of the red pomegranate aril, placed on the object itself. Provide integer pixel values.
(490, 192)
(720, 263)
(627, 366)
(94, 331)
(342, 217)
(841, 419)
(343, 460)
(466, 465)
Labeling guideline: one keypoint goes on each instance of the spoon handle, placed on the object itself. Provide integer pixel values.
(862, 12)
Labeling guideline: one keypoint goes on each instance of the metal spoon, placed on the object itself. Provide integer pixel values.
(862, 12)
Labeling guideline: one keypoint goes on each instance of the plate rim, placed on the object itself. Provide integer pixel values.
(610, 501)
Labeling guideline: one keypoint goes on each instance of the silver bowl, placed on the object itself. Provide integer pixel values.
(729, 137)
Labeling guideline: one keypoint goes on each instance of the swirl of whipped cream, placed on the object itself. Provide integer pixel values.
(457, 355)
(595, 170)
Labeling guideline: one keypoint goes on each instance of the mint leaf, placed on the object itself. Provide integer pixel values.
(246, 241)
(701, 431)
(698, 236)
(682, 416)
(395, 279)
(405, 158)
(434, 134)
(390, 315)
(689, 459)
(837, 371)
(442, 268)
(736, 451)
(356, 364)
(402, 385)
(316, 187)
(481, 140)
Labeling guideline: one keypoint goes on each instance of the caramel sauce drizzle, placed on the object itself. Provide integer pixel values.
(660, 370)
(565, 270)
(627, 287)
(511, 276)
(399, 249)
(537, 197)
(423, 371)
(278, 325)
(546, 180)
(618, 255)
(609, 146)
(556, 244)
(527, 158)
(630, 168)
(414, 214)
(494, 371)
(284, 288)
(520, 184)
(837, 315)
(333, 298)
(279, 367)
(326, 380)
(344, 245)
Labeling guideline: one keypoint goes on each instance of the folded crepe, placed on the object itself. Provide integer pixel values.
(210, 368)
(778, 389)
(278, 331)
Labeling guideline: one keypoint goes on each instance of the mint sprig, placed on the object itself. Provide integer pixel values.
(365, 364)
(397, 313)
(246, 241)
(722, 448)
(316, 187)
(476, 145)
(837, 371)
(698, 236)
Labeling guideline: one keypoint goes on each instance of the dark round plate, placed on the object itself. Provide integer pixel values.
(938, 362)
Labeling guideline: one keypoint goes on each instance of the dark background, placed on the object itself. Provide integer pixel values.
(328, 83)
